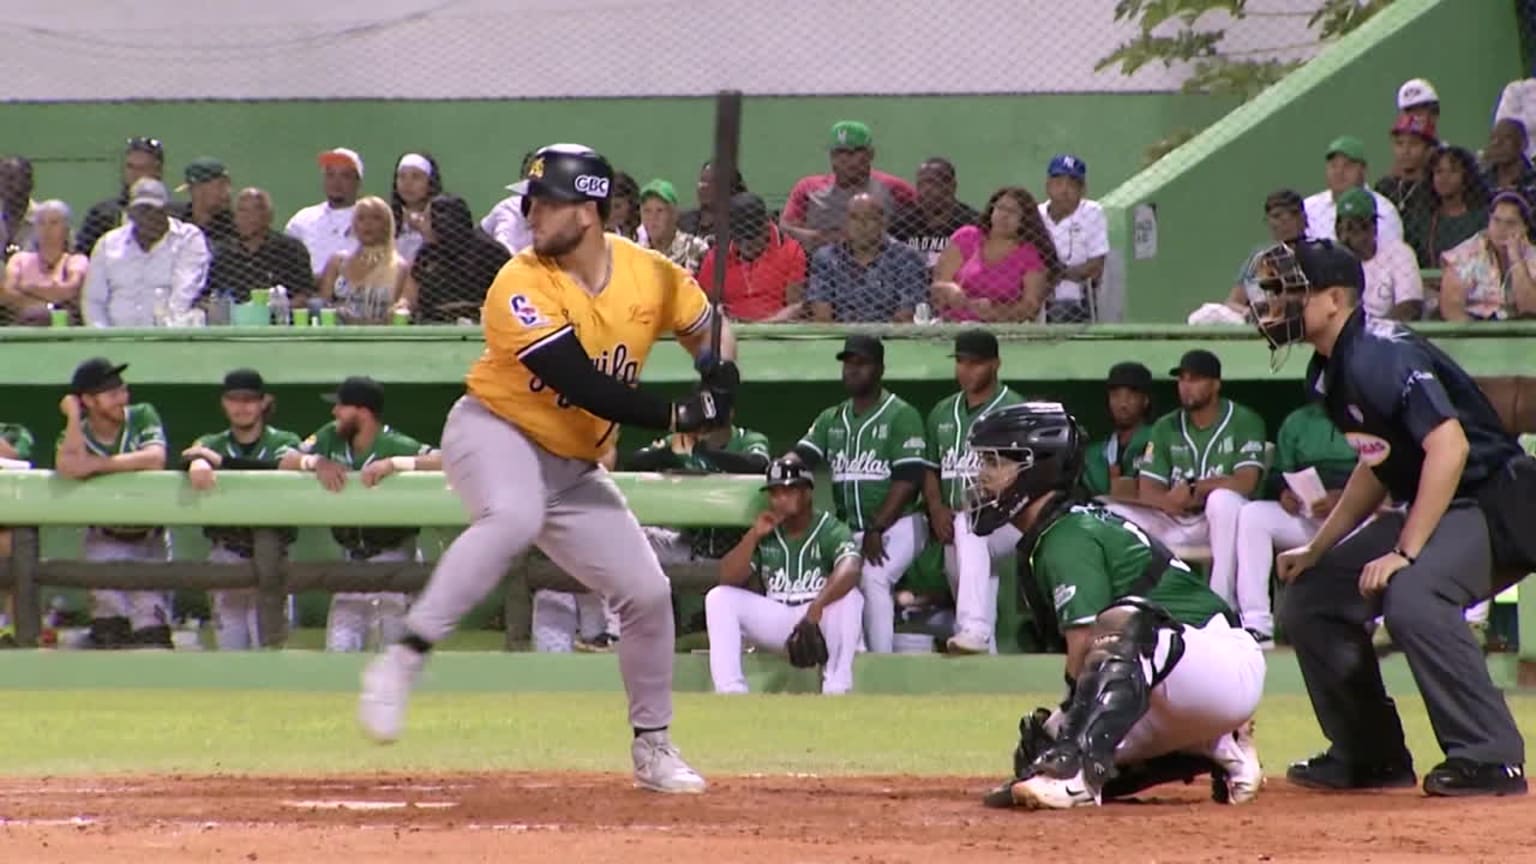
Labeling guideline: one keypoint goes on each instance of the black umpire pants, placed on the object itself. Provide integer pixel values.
(1325, 617)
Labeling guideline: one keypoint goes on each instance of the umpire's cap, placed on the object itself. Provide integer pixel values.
(788, 472)
(96, 375)
(573, 173)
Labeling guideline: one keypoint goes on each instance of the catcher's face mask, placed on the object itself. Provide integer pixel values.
(995, 493)
(1277, 297)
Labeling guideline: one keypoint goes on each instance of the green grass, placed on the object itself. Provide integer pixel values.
(130, 731)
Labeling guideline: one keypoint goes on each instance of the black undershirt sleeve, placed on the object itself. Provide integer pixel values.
(562, 364)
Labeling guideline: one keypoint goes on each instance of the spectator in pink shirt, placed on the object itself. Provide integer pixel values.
(818, 205)
(50, 273)
(1001, 268)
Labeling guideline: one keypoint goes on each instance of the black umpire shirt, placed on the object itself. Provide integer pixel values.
(1386, 388)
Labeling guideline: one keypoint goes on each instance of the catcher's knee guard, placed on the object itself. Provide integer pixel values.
(1112, 691)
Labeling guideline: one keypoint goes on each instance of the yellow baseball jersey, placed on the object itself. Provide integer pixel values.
(533, 302)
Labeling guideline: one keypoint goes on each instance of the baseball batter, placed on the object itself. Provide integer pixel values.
(568, 326)
(1161, 684)
(873, 443)
(808, 565)
(105, 434)
(249, 444)
(1307, 439)
(967, 557)
(1203, 463)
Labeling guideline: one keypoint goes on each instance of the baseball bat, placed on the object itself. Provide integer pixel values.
(723, 169)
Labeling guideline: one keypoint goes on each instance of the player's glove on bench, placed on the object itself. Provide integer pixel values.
(806, 646)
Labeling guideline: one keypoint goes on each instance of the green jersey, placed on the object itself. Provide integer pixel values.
(745, 442)
(1181, 452)
(862, 449)
(711, 542)
(948, 426)
(271, 446)
(1308, 439)
(327, 442)
(795, 569)
(1089, 557)
(141, 428)
(1102, 454)
(19, 438)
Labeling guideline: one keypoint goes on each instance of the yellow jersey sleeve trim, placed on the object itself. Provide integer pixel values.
(540, 343)
(698, 323)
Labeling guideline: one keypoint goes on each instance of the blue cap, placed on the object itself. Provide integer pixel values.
(1067, 165)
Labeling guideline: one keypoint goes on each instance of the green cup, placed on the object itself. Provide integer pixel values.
(327, 317)
(261, 295)
(301, 317)
(400, 318)
(58, 317)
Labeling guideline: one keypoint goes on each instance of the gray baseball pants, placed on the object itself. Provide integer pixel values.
(518, 494)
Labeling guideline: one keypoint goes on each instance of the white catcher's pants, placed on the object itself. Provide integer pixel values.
(968, 564)
(903, 541)
(736, 613)
(1216, 527)
(354, 613)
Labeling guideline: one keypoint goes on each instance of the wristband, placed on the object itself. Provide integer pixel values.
(1398, 551)
(308, 462)
(403, 463)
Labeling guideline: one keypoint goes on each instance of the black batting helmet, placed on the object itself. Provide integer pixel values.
(573, 173)
(1020, 452)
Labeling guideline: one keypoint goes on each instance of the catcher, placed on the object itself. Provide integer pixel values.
(809, 568)
(1161, 684)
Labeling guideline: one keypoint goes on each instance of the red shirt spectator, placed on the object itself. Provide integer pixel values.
(764, 268)
(818, 204)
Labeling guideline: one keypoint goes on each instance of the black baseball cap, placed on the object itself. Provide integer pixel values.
(977, 344)
(788, 472)
(244, 381)
(1198, 362)
(359, 391)
(145, 144)
(1131, 375)
(749, 213)
(1326, 265)
(863, 345)
(96, 375)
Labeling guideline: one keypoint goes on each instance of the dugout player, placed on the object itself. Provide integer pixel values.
(1426, 436)
(967, 557)
(874, 446)
(1161, 683)
(568, 326)
(808, 565)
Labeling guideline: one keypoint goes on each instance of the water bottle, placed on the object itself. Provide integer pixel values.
(282, 313)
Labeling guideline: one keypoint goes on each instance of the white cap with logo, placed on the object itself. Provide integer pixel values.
(1416, 92)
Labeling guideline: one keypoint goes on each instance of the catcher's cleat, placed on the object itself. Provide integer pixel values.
(1044, 792)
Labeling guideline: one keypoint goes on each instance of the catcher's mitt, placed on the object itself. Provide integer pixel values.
(806, 646)
(1034, 739)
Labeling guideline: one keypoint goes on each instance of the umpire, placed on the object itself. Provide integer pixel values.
(1426, 436)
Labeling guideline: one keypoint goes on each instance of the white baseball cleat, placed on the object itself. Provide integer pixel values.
(966, 643)
(387, 683)
(659, 766)
(1043, 792)
(1238, 757)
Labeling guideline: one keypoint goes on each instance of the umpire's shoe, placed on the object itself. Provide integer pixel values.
(1327, 772)
(1463, 777)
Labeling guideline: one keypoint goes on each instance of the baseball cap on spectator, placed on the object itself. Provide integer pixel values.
(863, 345)
(1416, 124)
(1067, 165)
(1289, 199)
(148, 192)
(1130, 375)
(202, 170)
(1326, 265)
(145, 144)
(748, 211)
(851, 135)
(976, 344)
(1347, 146)
(1198, 362)
(659, 189)
(359, 391)
(96, 375)
(341, 157)
(1416, 92)
(1357, 203)
(244, 381)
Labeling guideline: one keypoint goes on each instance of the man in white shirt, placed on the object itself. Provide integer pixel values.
(1393, 287)
(149, 272)
(325, 229)
(506, 222)
(1346, 170)
(1081, 235)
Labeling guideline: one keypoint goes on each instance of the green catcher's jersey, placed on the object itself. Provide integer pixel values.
(862, 449)
(1102, 454)
(20, 439)
(388, 443)
(1307, 438)
(272, 444)
(1089, 557)
(795, 569)
(1179, 452)
(948, 426)
(141, 428)
(744, 441)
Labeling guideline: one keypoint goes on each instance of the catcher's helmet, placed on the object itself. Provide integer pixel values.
(1020, 452)
(573, 173)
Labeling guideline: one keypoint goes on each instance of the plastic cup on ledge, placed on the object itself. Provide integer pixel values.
(261, 296)
(301, 317)
(328, 317)
(400, 317)
(58, 317)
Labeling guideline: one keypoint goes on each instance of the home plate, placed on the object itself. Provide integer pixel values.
(370, 805)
